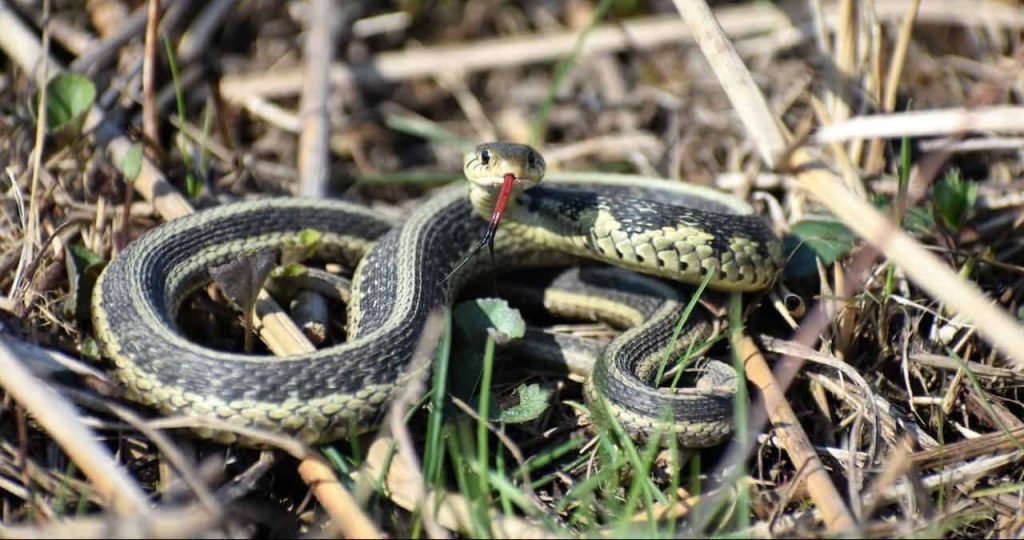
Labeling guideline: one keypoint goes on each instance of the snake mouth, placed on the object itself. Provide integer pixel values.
(496, 182)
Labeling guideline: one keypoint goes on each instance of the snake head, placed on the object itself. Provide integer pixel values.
(498, 172)
(488, 164)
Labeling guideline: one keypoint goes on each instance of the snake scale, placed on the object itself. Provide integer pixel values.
(666, 229)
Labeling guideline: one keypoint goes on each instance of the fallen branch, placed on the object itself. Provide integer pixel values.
(638, 34)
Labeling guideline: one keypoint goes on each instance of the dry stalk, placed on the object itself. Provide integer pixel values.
(898, 464)
(641, 33)
(150, 122)
(103, 51)
(961, 473)
(794, 440)
(844, 52)
(400, 407)
(61, 420)
(314, 145)
(346, 513)
(996, 119)
(1006, 376)
(962, 451)
(186, 523)
(922, 267)
(892, 81)
(32, 235)
(203, 29)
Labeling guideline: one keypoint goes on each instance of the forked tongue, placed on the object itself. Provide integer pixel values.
(499, 206)
(492, 229)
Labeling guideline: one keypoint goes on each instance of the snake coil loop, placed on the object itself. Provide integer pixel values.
(399, 279)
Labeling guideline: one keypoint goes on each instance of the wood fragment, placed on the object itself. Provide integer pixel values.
(793, 438)
(316, 123)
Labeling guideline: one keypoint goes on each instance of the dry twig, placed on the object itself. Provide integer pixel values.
(316, 123)
(150, 123)
(793, 438)
(60, 419)
(640, 33)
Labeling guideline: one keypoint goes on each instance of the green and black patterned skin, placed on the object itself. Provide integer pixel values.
(619, 377)
(399, 279)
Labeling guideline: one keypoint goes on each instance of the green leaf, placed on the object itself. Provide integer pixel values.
(486, 315)
(310, 237)
(84, 256)
(954, 197)
(83, 268)
(827, 240)
(533, 401)
(473, 321)
(131, 163)
(289, 271)
(302, 247)
(90, 349)
(68, 97)
(919, 220)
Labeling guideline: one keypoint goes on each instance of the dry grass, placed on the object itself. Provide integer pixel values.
(890, 408)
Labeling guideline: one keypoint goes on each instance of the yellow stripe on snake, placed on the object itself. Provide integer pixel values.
(666, 229)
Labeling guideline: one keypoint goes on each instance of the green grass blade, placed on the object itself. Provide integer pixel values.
(482, 448)
(433, 451)
(685, 316)
(191, 185)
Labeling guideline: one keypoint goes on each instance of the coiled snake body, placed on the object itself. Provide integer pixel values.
(401, 277)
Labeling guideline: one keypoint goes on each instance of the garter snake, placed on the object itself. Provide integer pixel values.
(400, 277)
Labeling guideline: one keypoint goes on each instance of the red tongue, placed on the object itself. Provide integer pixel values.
(488, 239)
(499, 206)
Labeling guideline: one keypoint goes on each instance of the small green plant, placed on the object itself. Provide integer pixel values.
(301, 248)
(954, 198)
(131, 167)
(192, 185)
(824, 239)
(131, 163)
(83, 268)
(68, 97)
(533, 401)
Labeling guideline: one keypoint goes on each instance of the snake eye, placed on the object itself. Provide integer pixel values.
(531, 160)
(485, 156)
